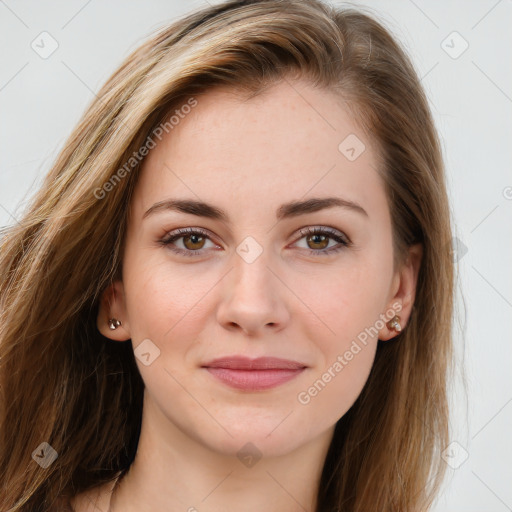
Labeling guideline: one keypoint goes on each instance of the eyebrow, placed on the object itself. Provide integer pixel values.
(285, 211)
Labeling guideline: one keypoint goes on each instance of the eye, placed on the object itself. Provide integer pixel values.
(319, 238)
(194, 240)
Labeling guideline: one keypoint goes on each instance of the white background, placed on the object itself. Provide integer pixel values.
(471, 98)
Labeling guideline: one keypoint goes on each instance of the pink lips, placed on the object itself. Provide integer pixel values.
(254, 374)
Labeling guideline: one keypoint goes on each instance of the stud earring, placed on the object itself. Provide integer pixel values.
(114, 323)
(394, 323)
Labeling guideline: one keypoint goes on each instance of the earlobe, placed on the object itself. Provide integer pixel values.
(405, 286)
(395, 324)
(114, 323)
(393, 327)
(111, 320)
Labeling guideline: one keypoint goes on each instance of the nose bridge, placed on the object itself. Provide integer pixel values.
(251, 263)
(252, 293)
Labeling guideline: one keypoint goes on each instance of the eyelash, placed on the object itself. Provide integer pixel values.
(331, 233)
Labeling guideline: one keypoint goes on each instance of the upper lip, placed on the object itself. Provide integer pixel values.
(260, 363)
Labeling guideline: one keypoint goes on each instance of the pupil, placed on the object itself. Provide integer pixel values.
(317, 237)
(194, 239)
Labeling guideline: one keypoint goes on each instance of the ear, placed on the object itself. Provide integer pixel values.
(112, 305)
(403, 291)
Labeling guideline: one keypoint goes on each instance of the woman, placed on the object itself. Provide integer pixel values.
(234, 288)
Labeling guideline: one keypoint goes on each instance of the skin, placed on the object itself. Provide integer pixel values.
(248, 158)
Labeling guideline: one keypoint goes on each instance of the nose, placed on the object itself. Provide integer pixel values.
(254, 298)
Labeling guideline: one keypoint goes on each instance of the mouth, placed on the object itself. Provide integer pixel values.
(254, 374)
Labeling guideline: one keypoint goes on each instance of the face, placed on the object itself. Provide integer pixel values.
(256, 283)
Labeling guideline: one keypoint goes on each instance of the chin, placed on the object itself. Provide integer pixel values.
(258, 441)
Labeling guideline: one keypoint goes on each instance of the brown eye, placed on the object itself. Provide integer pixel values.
(318, 238)
(193, 241)
(318, 241)
(196, 241)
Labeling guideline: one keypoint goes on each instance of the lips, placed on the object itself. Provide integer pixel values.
(260, 363)
(254, 374)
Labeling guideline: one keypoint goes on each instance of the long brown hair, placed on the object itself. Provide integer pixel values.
(64, 384)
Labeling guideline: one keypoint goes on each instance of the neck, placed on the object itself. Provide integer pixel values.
(173, 471)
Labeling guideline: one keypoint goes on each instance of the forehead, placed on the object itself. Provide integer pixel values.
(292, 141)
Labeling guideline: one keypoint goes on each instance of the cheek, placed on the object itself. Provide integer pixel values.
(346, 358)
(332, 391)
(349, 305)
(164, 304)
(348, 299)
(164, 307)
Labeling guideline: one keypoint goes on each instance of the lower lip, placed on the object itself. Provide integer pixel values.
(254, 379)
